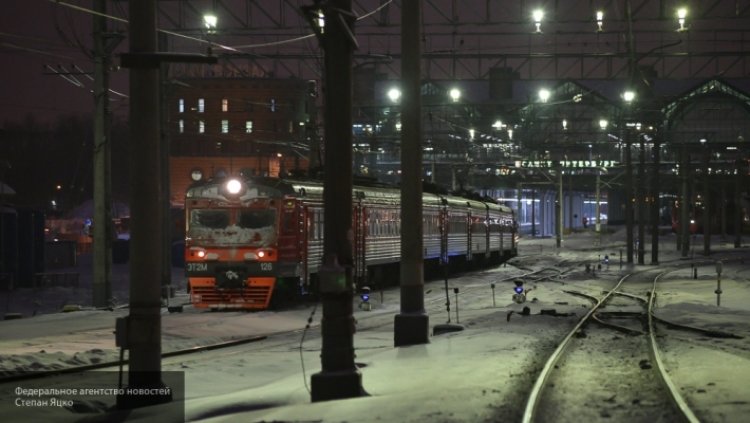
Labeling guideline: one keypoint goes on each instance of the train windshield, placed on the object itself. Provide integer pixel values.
(252, 228)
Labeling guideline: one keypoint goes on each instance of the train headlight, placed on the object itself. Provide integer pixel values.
(233, 186)
(255, 255)
(197, 252)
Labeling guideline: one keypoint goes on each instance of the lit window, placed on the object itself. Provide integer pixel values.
(201, 105)
(248, 126)
(181, 125)
(224, 126)
(201, 126)
(224, 105)
(181, 105)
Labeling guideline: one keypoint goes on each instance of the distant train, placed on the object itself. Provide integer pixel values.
(247, 238)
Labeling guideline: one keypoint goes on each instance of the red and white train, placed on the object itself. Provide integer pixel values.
(247, 238)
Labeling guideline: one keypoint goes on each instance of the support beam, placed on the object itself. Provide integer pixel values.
(339, 377)
(411, 326)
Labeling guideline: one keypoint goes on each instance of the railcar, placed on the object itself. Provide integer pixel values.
(249, 240)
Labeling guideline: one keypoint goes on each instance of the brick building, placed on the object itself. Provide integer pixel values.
(238, 126)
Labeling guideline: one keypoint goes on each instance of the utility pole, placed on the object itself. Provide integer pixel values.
(102, 282)
(684, 230)
(144, 321)
(411, 326)
(655, 217)
(166, 269)
(628, 198)
(339, 377)
(641, 199)
(559, 207)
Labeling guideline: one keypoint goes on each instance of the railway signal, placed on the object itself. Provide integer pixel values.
(719, 268)
(519, 296)
(365, 297)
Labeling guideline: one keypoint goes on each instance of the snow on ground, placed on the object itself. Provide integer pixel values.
(478, 374)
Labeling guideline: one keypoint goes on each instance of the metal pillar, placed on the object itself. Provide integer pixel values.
(166, 206)
(655, 202)
(559, 208)
(706, 205)
(641, 201)
(684, 231)
(411, 326)
(144, 320)
(102, 245)
(598, 224)
(628, 199)
(738, 205)
(339, 377)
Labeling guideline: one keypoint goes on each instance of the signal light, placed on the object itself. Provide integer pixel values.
(519, 295)
(365, 297)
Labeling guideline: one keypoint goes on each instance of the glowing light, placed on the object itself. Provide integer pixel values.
(234, 186)
(681, 15)
(394, 94)
(544, 95)
(210, 22)
(599, 20)
(628, 96)
(455, 94)
(538, 15)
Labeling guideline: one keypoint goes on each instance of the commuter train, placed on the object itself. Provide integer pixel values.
(248, 239)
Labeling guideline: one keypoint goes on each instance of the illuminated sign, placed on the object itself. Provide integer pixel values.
(578, 164)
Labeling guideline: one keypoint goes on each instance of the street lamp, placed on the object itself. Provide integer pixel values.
(628, 96)
(455, 94)
(210, 21)
(544, 95)
(538, 15)
(394, 94)
(681, 15)
(599, 20)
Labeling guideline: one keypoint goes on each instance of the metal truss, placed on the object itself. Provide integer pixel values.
(465, 39)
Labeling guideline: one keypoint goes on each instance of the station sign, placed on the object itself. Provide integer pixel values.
(566, 164)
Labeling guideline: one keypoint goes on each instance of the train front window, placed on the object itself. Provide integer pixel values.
(225, 227)
(256, 219)
(209, 219)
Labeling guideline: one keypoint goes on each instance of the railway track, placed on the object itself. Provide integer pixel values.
(434, 305)
(619, 376)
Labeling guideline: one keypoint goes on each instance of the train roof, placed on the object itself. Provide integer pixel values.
(313, 189)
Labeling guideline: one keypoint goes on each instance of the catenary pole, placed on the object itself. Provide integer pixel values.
(339, 377)
(411, 325)
(144, 320)
(102, 231)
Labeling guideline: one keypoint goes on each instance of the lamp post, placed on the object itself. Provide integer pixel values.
(628, 96)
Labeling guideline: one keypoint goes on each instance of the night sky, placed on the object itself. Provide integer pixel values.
(35, 34)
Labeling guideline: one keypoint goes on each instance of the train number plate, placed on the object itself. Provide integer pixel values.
(197, 267)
